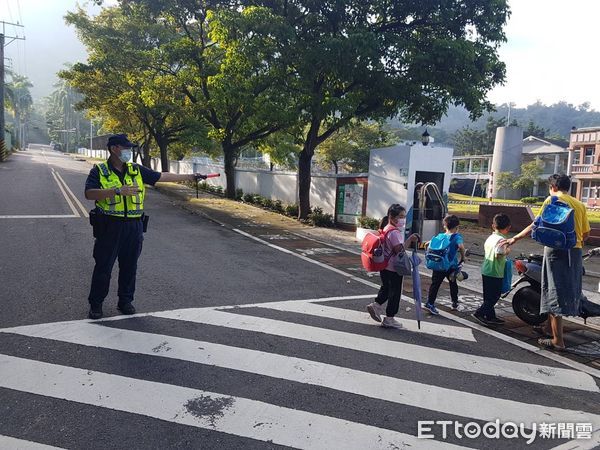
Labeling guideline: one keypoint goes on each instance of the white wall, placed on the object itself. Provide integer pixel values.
(388, 173)
(274, 185)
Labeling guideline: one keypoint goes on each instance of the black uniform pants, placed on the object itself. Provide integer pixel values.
(120, 239)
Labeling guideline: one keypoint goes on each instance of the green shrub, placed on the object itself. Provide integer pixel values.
(291, 210)
(248, 198)
(219, 189)
(278, 206)
(267, 203)
(320, 219)
(529, 200)
(203, 186)
(368, 222)
(239, 194)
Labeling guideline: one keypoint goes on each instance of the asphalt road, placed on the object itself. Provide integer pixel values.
(237, 345)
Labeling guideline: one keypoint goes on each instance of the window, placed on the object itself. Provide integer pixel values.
(576, 157)
(590, 190)
(589, 155)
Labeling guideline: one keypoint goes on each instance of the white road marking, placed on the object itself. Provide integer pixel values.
(432, 356)
(312, 309)
(582, 444)
(7, 442)
(65, 194)
(358, 382)
(42, 216)
(545, 353)
(202, 409)
(75, 199)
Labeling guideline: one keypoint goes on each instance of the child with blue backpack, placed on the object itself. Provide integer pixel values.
(442, 259)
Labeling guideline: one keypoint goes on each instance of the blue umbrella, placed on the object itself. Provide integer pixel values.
(416, 283)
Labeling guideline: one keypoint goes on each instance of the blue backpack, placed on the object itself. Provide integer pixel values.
(438, 256)
(555, 227)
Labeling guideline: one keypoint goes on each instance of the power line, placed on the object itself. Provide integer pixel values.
(19, 9)
(2, 45)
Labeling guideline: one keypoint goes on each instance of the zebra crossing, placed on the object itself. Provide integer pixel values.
(343, 370)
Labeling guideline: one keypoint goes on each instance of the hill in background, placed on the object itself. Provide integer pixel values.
(556, 120)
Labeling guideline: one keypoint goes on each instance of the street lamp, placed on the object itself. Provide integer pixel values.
(425, 138)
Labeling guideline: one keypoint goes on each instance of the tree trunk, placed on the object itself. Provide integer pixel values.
(304, 166)
(335, 167)
(17, 128)
(145, 149)
(304, 179)
(229, 159)
(164, 156)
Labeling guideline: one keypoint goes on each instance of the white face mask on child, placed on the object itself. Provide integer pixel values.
(401, 224)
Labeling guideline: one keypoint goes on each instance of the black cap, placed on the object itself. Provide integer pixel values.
(120, 139)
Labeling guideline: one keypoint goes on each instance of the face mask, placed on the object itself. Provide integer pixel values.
(125, 155)
(401, 224)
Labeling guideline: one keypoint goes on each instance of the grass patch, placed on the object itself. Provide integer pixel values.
(467, 198)
(454, 208)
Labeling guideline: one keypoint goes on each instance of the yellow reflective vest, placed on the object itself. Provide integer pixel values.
(119, 205)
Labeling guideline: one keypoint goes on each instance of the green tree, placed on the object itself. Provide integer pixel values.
(530, 174)
(124, 83)
(534, 130)
(469, 141)
(351, 146)
(492, 124)
(282, 147)
(378, 59)
(504, 181)
(223, 58)
(20, 102)
(65, 122)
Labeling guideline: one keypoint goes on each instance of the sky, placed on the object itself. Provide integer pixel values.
(550, 54)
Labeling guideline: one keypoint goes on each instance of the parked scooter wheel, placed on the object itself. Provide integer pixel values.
(526, 305)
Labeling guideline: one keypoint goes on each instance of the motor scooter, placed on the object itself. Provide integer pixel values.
(526, 300)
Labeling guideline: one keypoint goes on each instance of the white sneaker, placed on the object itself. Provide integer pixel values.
(376, 311)
(390, 322)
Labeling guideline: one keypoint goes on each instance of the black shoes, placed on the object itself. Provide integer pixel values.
(480, 318)
(496, 321)
(95, 312)
(487, 321)
(126, 308)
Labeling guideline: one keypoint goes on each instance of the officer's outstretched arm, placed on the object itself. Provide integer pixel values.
(167, 176)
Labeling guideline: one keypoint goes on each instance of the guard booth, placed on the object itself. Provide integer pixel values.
(415, 176)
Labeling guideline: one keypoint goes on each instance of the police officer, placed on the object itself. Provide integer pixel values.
(117, 186)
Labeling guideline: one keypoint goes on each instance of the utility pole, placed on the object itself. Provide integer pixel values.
(3, 149)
